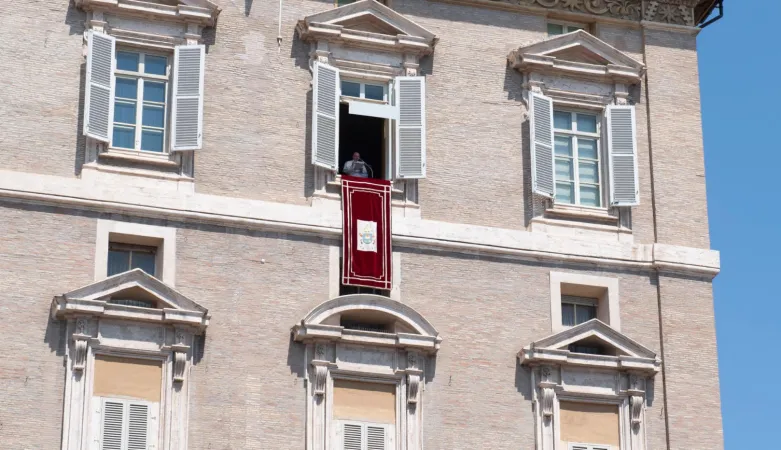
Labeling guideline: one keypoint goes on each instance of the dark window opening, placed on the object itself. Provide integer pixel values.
(365, 135)
(365, 326)
(124, 257)
(130, 302)
(587, 349)
(345, 289)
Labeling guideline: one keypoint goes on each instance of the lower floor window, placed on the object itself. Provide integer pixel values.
(365, 415)
(589, 426)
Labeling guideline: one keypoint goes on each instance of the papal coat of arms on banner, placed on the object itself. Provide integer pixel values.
(367, 236)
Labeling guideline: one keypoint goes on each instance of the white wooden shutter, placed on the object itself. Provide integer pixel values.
(138, 426)
(622, 153)
(411, 127)
(541, 131)
(113, 425)
(375, 437)
(99, 86)
(187, 107)
(325, 116)
(352, 436)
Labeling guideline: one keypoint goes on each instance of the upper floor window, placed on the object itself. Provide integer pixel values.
(557, 28)
(124, 257)
(577, 310)
(127, 96)
(576, 142)
(140, 101)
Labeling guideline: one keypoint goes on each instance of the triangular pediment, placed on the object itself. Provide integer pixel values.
(132, 296)
(573, 345)
(367, 16)
(578, 53)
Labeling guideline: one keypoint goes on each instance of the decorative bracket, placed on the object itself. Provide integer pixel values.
(180, 361)
(414, 375)
(320, 377)
(636, 407)
(80, 341)
(546, 391)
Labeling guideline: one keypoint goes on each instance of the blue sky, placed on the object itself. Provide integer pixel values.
(741, 92)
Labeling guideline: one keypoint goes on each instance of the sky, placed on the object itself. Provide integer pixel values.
(740, 62)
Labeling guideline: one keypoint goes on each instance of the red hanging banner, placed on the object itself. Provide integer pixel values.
(366, 232)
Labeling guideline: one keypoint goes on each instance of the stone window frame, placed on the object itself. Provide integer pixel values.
(164, 238)
(368, 61)
(397, 358)
(96, 327)
(604, 289)
(116, 19)
(558, 374)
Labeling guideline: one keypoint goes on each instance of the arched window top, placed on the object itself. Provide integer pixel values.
(369, 319)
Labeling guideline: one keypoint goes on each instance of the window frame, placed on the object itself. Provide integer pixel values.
(574, 134)
(129, 233)
(362, 96)
(605, 289)
(142, 78)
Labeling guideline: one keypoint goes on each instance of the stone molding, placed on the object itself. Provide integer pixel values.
(305, 220)
(666, 12)
(199, 12)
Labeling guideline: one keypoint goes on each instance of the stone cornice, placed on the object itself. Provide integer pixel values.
(202, 12)
(306, 220)
(672, 12)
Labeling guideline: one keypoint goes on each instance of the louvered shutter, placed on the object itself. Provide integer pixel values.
(99, 87)
(541, 130)
(411, 127)
(622, 152)
(138, 426)
(113, 425)
(187, 107)
(375, 438)
(325, 116)
(352, 436)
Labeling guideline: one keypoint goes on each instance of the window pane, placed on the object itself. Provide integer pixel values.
(554, 29)
(587, 123)
(118, 262)
(584, 313)
(126, 88)
(154, 92)
(124, 137)
(127, 61)
(587, 148)
(374, 92)
(565, 193)
(589, 196)
(564, 169)
(572, 28)
(153, 116)
(562, 120)
(588, 172)
(563, 145)
(144, 261)
(125, 112)
(567, 314)
(152, 140)
(351, 89)
(155, 65)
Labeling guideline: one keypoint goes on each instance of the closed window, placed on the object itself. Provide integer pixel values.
(555, 29)
(123, 257)
(577, 155)
(140, 101)
(577, 310)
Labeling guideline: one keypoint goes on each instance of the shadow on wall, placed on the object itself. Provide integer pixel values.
(75, 19)
(55, 337)
(247, 7)
(299, 53)
(523, 379)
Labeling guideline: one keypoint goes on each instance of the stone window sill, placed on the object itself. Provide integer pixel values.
(584, 213)
(161, 159)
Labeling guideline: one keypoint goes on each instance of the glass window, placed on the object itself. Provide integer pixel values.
(578, 169)
(576, 310)
(140, 102)
(358, 89)
(555, 29)
(122, 258)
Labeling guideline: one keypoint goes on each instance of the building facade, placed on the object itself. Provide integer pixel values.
(170, 250)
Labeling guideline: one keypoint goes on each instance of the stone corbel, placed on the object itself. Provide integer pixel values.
(180, 361)
(414, 375)
(320, 370)
(636, 408)
(547, 393)
(80, 340)
(636, 398)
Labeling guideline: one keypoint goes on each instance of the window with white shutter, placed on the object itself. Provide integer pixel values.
(126, 424)
(99, 87)
(187, 109)
(622, 153)
(541, 130)
(325, 116)
(364, 436)
(411, 127)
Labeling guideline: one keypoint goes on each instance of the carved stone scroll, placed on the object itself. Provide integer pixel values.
(546, 401)
(79, 351)
(413, 387)
(320, 377)
(636, 408)
(180, 361)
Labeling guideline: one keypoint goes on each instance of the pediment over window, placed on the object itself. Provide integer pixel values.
(202, 12)
(577, 54)
(368, 24)
(591, 344)
(131, 296)
(368, 319)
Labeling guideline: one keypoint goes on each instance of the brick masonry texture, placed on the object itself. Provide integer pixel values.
(248, 387)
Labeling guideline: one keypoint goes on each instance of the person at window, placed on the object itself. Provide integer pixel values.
(355, 167)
